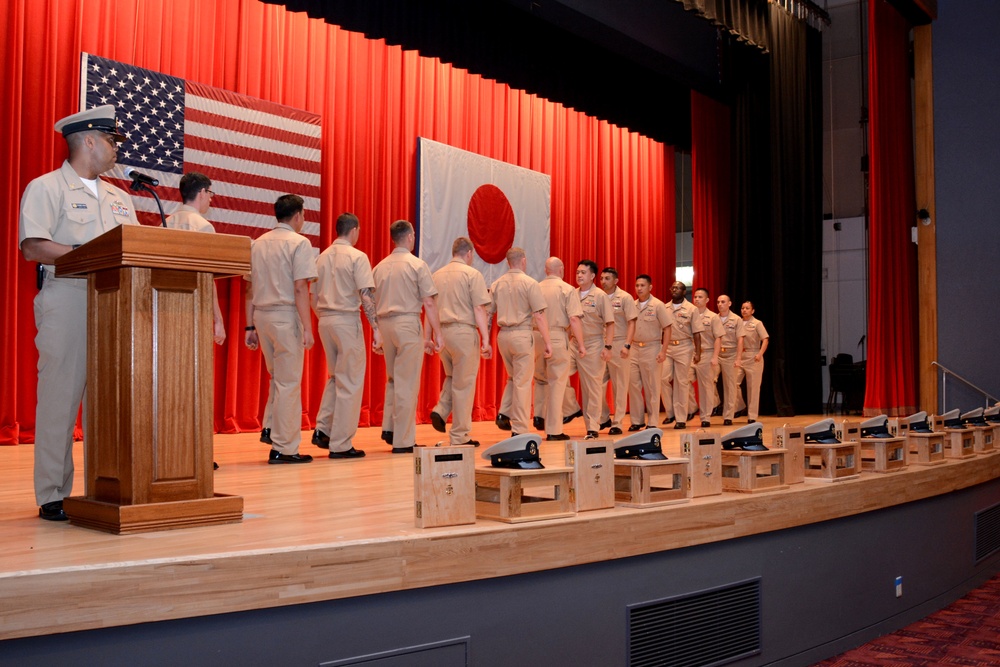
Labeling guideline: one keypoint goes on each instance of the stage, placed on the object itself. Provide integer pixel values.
(336, 529)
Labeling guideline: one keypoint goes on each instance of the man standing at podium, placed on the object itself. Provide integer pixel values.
(282, 264)
(61, 211)
(196, 193)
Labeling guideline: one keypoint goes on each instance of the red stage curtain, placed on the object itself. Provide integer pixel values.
(892, 313)
(710, 193)
(612, 190)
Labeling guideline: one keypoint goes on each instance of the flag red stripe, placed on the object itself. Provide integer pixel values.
(236, 99)
(246, 127)
(247, 153)
(242, 178)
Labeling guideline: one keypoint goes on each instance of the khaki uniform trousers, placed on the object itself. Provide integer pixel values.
(754, 371)
(676, 379)
(590, 370)
(732, 397)
(617, 373)
(403, 346)
(517, 349)
(460, 359)
(61, 319)
(644, 379)
(550, 380)
(344, 345)
(708, 393)
(280, 335)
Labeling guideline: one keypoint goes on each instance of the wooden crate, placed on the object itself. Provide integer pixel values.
(444, 486)
(883, 454)
(847, 430)
(514, 495)
(593, 481)
(959, 443)
(642, 483)
(704, 449)
(753, 472)
(984, 440)
(792, 440)
(832, 463)
(925, 449)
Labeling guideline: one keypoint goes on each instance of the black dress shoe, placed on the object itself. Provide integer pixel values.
(705, 424)
(278, 457)
(614, 430)
(668, 420)
(560, 436)
(474, 443)
(716, 411)
(691, 415)
(680, 425)
(402, 450)
(578, 413)
(604, 425)
(53, 511)
(348, 454)
(215, 466)
(502, 421)
(265, 436)
(636, 427)
(387, 437)
(320, 439)
(437, 421)
(538, 423)
(751, 421)
(727, 422)
(591, 435)
(741, 413)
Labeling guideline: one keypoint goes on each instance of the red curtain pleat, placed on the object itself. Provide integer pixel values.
(892, 306)
(612, 190)
(710, 193)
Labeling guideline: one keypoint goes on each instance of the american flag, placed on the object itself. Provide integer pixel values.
(253, 150)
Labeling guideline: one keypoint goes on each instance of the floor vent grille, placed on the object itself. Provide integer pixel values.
(987, 532)
(707, 628)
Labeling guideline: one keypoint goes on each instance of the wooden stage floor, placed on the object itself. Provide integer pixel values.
(341, 528)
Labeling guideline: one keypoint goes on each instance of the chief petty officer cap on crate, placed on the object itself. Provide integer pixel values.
(918, 422)
(876, 427)
(749, 438)
(821, 432)
(521, 451)
(643, 445)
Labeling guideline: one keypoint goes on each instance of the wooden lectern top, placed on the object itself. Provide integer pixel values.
(159, 248)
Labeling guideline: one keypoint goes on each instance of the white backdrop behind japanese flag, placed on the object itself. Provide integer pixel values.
(447, 179)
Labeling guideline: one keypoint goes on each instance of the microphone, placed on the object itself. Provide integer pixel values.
(139, 177)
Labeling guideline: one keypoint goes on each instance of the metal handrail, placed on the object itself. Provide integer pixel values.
(944, 388)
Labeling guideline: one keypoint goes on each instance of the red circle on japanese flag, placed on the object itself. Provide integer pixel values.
(491, 224)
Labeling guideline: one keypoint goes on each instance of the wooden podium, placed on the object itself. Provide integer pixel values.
(148, 450)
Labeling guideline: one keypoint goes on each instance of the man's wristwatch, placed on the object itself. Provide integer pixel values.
(628, 346)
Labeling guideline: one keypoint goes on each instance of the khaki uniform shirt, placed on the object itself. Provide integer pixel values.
(343, 271)
(516, 296)
(597, 312)
(59, 207)
(277, 259)
(686, 325)
(402, 282)
(711, 328)
(753, 333)
(654, 317)
(460, 289)
(188, 218)
(730, 326)
(561, 302)
(623, 306)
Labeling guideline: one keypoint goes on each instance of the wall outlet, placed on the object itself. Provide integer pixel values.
(899, 587)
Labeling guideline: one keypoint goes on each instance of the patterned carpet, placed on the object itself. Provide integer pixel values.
(965, 633)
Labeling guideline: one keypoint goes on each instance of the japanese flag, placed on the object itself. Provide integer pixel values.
(496, 204)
